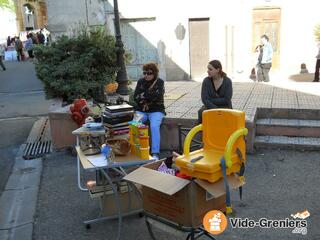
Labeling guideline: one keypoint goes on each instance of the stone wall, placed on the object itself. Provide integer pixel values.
(65, 16)
(40, 13)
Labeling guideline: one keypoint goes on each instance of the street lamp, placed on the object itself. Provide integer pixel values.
(122, 78)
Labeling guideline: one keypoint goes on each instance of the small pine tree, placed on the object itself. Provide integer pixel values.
(78, 66)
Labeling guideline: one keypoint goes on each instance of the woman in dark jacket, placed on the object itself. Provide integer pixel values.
(148, 96)
(216, 91)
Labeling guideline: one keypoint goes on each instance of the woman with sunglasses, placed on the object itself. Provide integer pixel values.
(148, 97)
(216, 91)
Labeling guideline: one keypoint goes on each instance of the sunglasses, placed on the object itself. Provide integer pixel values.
(147, 73)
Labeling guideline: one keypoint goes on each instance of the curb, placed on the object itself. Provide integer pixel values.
(19, 198)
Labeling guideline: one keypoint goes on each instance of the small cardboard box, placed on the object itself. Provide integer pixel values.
(179, 200)
(129, 201)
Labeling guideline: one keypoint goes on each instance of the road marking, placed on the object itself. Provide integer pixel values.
(22, 92)
(18, 118)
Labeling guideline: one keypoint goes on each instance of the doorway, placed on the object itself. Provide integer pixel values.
(199, 47)
(267, 21)
(29, 17)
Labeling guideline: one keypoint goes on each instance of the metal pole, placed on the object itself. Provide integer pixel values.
(122, 78)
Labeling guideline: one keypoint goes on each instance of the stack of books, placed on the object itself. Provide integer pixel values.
(118, 129)
(116, 118)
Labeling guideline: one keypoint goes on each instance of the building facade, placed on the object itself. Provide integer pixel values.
(64, 17)
(183, 36)
(225, 30)
(30, 14)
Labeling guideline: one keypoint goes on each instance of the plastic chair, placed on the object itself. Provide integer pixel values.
(222, 135)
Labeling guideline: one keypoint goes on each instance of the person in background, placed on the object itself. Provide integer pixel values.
(264, 60)
(2, 53)
(48, 39)
(216, 90)
(19, 49)
(8, 41)
(29, 46)
(316, 73)
(34, 38)
(41, 37)
(149, 99)
(13, 41)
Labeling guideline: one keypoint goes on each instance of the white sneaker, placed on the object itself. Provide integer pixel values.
(155, 156)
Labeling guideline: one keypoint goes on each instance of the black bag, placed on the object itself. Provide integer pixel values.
(253, 74)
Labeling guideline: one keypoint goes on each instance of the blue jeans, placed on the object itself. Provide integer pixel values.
(155, 119)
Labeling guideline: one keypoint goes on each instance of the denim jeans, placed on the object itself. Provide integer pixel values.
(155, 119)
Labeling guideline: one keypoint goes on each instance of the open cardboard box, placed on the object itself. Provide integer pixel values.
(129, 201)
(179, 200)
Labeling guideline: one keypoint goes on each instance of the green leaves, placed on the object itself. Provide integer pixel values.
(77, 67)
(317, 32)
(7, 4)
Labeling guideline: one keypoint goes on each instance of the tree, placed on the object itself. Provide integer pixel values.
(79, 66)
(7, 4)
(317, 32)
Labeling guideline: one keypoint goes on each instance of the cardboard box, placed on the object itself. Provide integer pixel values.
(179, 200)
(129, 200)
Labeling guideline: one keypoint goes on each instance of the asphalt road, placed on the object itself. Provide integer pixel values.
(278, 184)
(22, 101)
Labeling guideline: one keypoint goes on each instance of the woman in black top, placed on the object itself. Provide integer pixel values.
(216, 91)
(148, 97)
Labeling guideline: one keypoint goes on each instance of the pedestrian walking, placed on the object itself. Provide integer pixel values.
(316, 73)
(2, 53)
(264, 59)
(216, 90)
(149, 99)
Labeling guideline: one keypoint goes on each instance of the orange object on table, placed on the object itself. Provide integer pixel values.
(143, 131)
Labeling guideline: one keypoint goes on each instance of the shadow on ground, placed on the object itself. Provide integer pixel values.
(305, 77)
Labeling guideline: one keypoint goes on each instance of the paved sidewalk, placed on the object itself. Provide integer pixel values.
(182, 100)
(18, 201)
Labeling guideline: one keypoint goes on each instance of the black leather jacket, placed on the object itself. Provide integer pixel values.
(149, 100)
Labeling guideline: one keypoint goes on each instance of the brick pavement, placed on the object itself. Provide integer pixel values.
(182, 99)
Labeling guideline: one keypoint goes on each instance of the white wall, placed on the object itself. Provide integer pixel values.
(298, 43)
(8, 25)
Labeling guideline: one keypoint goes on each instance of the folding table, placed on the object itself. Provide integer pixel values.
(118, 166)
